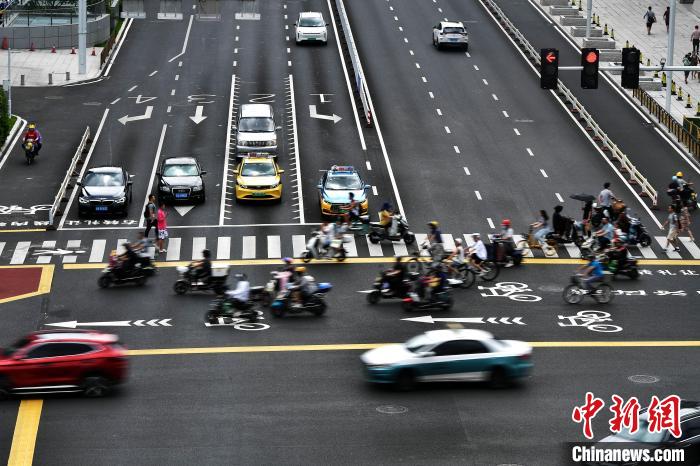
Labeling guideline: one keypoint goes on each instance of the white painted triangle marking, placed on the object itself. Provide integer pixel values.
(183, 209)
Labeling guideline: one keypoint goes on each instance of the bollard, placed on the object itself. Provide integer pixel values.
(648, 62)
(687, 102)
(697, 112)
(673, 87)
(580, 8)
(612, 33)
(597, 20)
(663, 79)
(50, 79)
(680, 94)
(656, 74)
(605, 30)
(67, 75)
(641, 60)
(21, 80)
(627, 44)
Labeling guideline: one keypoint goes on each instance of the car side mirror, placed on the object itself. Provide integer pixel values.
(277, 128)
(79, 183)
(204, 172)
(235, 172)
(280, 171)
(319, 186)
(158, 174)
(129, 182)
(295, 24)
(426, 354)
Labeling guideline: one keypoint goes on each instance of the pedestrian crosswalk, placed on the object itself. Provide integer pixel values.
(277, 246)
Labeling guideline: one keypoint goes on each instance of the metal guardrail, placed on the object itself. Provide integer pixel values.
(78, 159)
(683, 136)
(607, 145)
(360, 83)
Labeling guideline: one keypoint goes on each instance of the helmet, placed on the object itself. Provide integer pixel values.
(505, 222)
(300, 269)
(206, 253)
(679, 174)
(287, 260)
(433, 224)
(458, 241)
(240, 276)
(31, 126)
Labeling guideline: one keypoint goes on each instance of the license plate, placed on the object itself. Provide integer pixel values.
(454, 40)
(101, 208)
(180, 195)
(259, 194)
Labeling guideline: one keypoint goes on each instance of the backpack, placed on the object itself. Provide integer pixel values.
(145, 211)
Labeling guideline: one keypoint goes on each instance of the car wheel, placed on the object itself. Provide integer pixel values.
(373, 297)
(4, 388)
(406, 380)
(95, 386)
(466, 48)
(499, 378)
(180, 287)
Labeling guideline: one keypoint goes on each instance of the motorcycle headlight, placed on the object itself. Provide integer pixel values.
(165, 189)
(197, 188)
(83, 200)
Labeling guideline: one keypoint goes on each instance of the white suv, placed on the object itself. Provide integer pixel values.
(450, 33)
(256, 130)
(311, 27)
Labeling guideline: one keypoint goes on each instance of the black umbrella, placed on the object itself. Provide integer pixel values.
(583, 197)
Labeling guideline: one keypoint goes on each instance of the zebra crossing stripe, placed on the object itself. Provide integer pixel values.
(2, 247)
(400, 248)
(669, 252)
(298, 245)
(223, 248)
(120, 246)
(20, 253)
(46, 245)
(199, 244)
(173, 248)
(350, 246)
(249, 247)
(527, 252)
(72, 244)
(691, 247)
(97, 251)
(274, 247)
(420, 239)
(573, 250)
(374, 249)
(448, 242)
(647, 252)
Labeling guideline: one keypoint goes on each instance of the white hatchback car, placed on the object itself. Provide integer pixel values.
(450, 33)
(310, 27)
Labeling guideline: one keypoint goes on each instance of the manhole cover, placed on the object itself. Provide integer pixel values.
(551, 288)
(643, 379)
(392, 409)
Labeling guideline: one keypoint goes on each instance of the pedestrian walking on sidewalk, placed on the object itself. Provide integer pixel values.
(650, 16)
(673, 225)
(667, 15)
(687, 60)
(151, 216)
(694, 62)
(695, 39)
(685, 222)
(162, 227)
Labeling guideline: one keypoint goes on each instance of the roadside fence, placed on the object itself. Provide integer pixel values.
(70, 179)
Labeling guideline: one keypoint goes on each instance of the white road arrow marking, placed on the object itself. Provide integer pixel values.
(165, 323)
(139, 99)
(314, 114)
(139, 323)
(470, 320)
(198, 115)
(75, 323)
(56, 252)
(126, 118)
(152, 322)
(183, 209)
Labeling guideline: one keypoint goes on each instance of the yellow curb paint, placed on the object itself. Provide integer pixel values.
(28, 230)
(26, 428)
(44, 282)
(367, 346)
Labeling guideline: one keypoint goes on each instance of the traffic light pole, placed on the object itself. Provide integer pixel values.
(669, 53)
(589, 9)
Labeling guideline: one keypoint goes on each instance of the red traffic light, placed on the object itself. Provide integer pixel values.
(591, 57)
(551, 57)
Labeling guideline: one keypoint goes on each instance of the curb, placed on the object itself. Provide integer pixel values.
(116, 47)
(11, 140)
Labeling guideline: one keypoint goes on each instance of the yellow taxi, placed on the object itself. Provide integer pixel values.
(258, 179)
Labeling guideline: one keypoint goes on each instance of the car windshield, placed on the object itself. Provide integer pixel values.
(180, 170)
(311, 22)
(453, 31)
(258, 169)
(643, 434)
(104, 179)
(343, 182)
(256, 125)
(13, 348)
(416, 343)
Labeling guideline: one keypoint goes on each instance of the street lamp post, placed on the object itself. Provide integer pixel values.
(82, 36)
(669, 53)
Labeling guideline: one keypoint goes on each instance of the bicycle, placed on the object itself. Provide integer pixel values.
(530, 242)
(601, 292)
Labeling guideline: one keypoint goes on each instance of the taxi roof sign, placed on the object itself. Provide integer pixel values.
(342, 168)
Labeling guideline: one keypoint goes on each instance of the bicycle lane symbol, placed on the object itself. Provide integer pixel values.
(591, 320)
(510, 290)
(239, 323)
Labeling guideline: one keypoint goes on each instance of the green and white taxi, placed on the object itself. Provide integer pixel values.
(449, 355)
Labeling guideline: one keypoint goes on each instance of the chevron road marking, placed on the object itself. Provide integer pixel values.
(469, 320)
(116, 323)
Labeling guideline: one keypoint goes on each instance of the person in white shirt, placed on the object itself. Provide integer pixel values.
(477, 253)
(242, 292)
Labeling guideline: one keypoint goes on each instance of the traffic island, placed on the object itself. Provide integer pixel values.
(20, 282)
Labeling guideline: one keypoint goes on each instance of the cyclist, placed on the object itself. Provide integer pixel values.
(436, 248)
(590, 272)
(477, 254)
(456, 257)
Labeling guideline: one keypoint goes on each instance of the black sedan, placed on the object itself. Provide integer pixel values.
(104, 191)
(181, 179)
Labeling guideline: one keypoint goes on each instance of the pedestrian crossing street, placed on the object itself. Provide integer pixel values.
(274, 247)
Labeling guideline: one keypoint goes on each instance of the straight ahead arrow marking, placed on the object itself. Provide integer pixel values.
(198, 115)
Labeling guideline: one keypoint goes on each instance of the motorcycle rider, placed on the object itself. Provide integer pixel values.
(386, 217)
(617, 254)
(201, 269)
(590, 272)
(140, 247)
(300, 286)
(34, 135)
(477, 253)
(241, 294)
(505, 238)
(436, 247)
(395, 275)
(352, 214)
(434, 282)
(561, 223)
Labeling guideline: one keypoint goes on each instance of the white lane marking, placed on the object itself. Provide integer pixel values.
(173, 247)
(490, 222)
(286, 38)
(691, 247)
(467, 54)
(516, 131)
(120, 40)
(447, 129)
(115, 101)
(72, 245)
(478, 194)
(495, 97)
(369, 165)
(486, 83)
(400, 248)
(573, 250)
(439, 112)
(505, 114)
(46, 245)
(153, 172)
(350, 245)
(223, 247)
(440, 10)
(2, 247)
(167, 110)
(288, 50)
(466, 171)
(661, 240)
(405, 40)
(559, 198)
(235, 63)
(296, 151)
(418, 65)
(544, 173)
(347, 81)
(432, 96)
(172, 92)
(236, 50)
(153, 73)
(298, 245)
(423, 78)
(132, 88)
(179, 64)
(85, 165)
(456, 148)
(274, 249)
(227, 149)
(249, 247)
(396, 18)
(374, 190)
(391, 8)
(177, 77)
(411, 52)
(529, 151)
(476, 68)
(289, 63)
(184, 45)
(400, 28)
(199, 243)
(97, 251)
(120, 245)
(375, 250)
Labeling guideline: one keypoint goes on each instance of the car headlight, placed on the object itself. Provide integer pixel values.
(197, 188)
(165, 189)
(121, 200)
(242, 186)
(83, 200)
(272, 143)
(378, 366)
(325, 203)
(273, 186)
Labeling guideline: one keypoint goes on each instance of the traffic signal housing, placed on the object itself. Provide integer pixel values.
(549, 68)
(590, 59)
(630, 71)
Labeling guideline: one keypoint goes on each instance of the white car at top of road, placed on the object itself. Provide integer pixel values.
(311, 27)
(450, 33)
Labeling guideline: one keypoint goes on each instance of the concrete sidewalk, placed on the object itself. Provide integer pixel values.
(625, 19)
(36, 66)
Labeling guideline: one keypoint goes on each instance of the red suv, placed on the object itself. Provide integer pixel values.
(63, 361)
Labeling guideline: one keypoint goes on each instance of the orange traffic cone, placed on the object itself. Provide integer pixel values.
(53, 49)
(5, 43)
(93, 52)
(72, 50)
